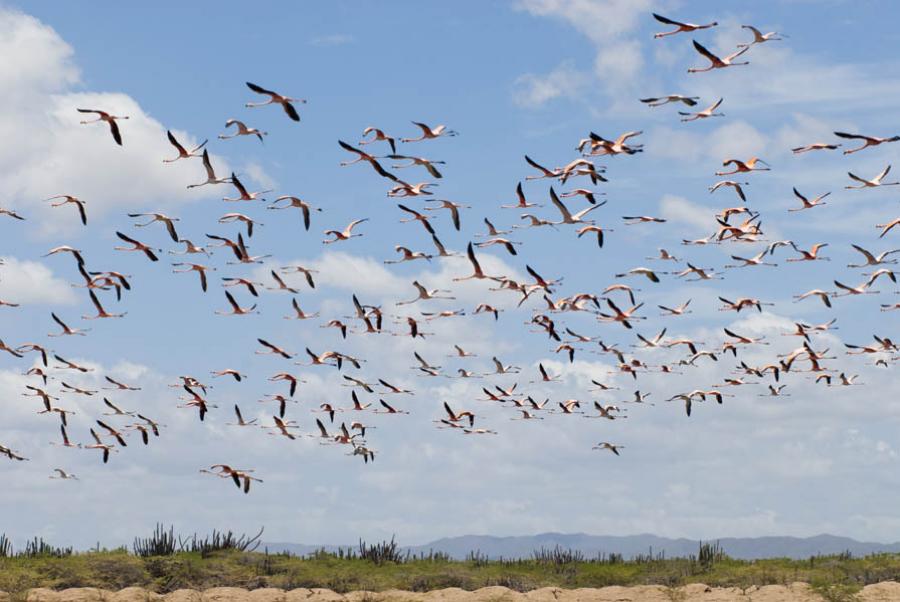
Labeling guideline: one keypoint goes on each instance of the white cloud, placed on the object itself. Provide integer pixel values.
(599, 20)
(531, 90)
(781, 76)
(259, 175)
(369, 277)
(619, 63)
(606, 23)
(49, 67)
(732, 140)
(804, 129)
(680, 210)
(344, 271)
(40, 115)
(735, 140)
(32, 283)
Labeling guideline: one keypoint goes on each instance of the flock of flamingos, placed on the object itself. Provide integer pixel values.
(574, 184)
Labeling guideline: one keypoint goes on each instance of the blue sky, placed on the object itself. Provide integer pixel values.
(513, 78)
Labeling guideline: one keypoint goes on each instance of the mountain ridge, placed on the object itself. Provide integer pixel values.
(522, 546)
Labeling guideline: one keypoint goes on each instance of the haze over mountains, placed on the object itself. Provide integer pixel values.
(522, 546)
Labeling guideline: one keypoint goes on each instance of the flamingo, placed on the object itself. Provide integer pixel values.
(137, 246)
(824, 296)
(811, 255)
(610, 446)
(760, 37)
(567, 216)
(242, 191)
(663, 100)
(885, 228)
(451, 206)
(210, 173)
(600, 146)
(705, 113)
(11, 213)
(293, 201)
(242, 130)
(238, 476)
(364, 156)
(731, 184)
(378, 135)
(183, 153)
(67, 330)
(190, 249)
(743, 166)
(71, 200)
(404, 189)
(714, 61)
(194, 267)
(299, 314)
(874, 182)
(236, 310)
(101, 313)
(679, 26)
(594, 229)
(807, 203)
(429, 133)
(108, 118)
(407, 255)
(98, 444)
(872, 259)
(428, 164)
(797, 150)
(345, 234)
(275, 98)
(678, 310)
(162, 218)
(867, 141)
(65, 437)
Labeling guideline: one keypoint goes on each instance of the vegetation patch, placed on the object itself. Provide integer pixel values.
(165, 562)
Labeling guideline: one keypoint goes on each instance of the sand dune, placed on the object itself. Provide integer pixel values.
(797, 592)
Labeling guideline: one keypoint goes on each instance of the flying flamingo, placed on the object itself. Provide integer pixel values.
(110, 119)
(275, 98)
(715, 62)
(679, 26)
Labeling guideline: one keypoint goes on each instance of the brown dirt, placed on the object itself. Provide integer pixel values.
(796, 592)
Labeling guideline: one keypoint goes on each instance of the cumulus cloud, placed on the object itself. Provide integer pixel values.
(532, 90)
(32, 283)
(786, 77)
(598, 20)
(619, 63)
(40, 115)
(732, 139)
(606, 24)
(49, 67)
(370, 277)
(344, 271)
(680, 210)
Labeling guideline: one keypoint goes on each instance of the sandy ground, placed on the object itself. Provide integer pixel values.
(797, 592)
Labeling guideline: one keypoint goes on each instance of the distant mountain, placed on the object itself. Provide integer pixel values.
(523, 546)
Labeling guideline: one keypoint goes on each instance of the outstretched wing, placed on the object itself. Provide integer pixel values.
(259, 89)
(175, 143)
(114, 128)
(849, 136)
(702, 50)
(291, 111)
(666, 20)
